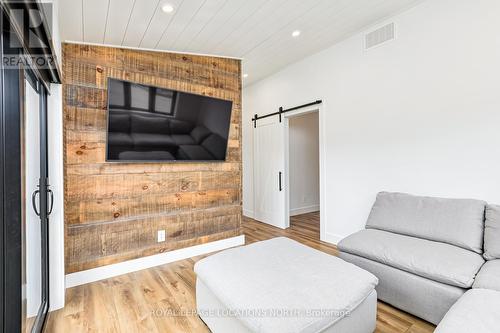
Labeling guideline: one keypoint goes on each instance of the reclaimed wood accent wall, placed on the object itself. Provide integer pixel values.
(114, 210)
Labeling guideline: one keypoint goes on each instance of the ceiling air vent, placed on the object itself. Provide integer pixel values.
(379, 36)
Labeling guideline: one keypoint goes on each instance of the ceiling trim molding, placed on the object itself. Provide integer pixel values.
(151, 50)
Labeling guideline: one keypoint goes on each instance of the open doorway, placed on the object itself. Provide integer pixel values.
(303, 164)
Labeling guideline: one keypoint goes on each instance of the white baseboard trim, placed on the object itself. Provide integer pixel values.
(248, 213)
(331, 238)
(105, 272)
(304, 210)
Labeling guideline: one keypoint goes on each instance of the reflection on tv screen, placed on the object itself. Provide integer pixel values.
(148, 123)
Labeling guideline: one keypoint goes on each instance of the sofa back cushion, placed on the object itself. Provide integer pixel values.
(180, 126)
(458, 222)
(492, 233)
(200, 133)
(119, 122)
(216, 145)
(148, 124)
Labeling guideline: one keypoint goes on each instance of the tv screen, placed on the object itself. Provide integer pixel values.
(147, 123)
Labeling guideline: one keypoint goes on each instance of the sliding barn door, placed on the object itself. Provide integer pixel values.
(269, 167)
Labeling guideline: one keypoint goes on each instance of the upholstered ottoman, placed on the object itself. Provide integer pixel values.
(280, 285)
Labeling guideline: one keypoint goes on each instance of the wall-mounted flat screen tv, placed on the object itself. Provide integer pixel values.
(147, 123)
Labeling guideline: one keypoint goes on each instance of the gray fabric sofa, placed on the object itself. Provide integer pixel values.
(426, 251)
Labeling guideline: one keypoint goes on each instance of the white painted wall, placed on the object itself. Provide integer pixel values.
(56, 178)
(303, 143)
(419, 114)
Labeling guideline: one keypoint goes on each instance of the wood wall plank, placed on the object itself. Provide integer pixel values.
(113, 210)
(133, 168)
(134, 185)
(95, 151)
(116, 209)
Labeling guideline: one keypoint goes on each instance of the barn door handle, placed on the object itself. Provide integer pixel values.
(279, 181)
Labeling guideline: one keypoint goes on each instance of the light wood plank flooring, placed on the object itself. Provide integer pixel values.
(146, 301)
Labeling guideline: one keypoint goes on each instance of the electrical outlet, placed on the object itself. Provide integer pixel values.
(161, 236)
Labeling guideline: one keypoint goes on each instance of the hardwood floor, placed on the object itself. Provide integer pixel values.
(159, 299)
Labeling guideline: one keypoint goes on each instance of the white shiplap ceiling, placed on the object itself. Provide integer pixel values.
(258, 31)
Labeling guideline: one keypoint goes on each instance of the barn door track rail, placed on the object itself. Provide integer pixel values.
(281, 111)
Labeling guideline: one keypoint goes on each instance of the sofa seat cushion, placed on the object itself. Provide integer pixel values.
(419, 296)
(120, 139)
(145, 156)
(183, 139)
(489, 276)
(148, 140)
(478, 310)
(440, 262)
(492, 233)
(194, 152)
(457, 222)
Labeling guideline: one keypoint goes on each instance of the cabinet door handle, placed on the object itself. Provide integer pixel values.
(279, 181)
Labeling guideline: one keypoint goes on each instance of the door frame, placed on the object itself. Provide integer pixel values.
(28, 76)
(12, 203)
(320, 108)
(12, 197)
(11, 173)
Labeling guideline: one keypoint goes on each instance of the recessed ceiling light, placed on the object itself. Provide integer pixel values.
(245, 76)
(296, 33)
(167, 8)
